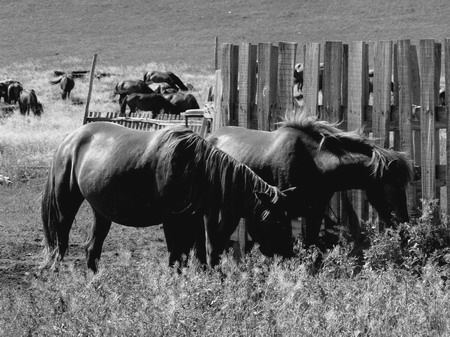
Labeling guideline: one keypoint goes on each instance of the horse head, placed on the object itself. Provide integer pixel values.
(387, 191)
(273, 229)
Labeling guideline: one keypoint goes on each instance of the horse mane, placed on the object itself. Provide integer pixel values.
(206, 168)
(353, 142)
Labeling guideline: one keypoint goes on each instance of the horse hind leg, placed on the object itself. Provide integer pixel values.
(60, 204)
(99, 231)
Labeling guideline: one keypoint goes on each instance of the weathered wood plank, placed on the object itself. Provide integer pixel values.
(286, 61)
(246, 83)
(311, 77)
(267, 84)
(382, 92)
(427, 118)
(405, 99)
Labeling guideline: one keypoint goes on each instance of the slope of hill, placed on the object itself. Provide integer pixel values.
(139, 31)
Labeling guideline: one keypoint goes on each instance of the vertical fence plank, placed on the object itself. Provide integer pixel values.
(246, 83)
(229, 70)
(447, 113)
(437, 78)
(218, 85)
(427, 121)
(267, 83)
(331, 92)
(332, 82)
(357, 98)
(286, 62)
(405, 97)
(311, 77)
(382, 92)
(344, 89)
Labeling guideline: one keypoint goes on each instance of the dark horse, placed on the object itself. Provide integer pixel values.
(320, 159)
(127, 87)
(67, 83)
(28, 102)
(168, 77)
(147, 102)
(182, 101)
(171, 176)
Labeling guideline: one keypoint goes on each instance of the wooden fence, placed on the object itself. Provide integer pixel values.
(254, 90)
(198, 120)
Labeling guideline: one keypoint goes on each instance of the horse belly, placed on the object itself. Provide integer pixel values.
(136, 215)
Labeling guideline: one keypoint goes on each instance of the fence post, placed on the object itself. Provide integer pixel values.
(286, 63)
(405, 99)
(311, 77)
(267, 84)
(427, 118)
(91, 82)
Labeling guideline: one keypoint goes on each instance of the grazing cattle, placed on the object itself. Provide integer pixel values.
(147, 102)
(67, 84)
(182, 101)
(28, 102)
(127, 87)
(14, 90)
(171, 176)
(168, 77)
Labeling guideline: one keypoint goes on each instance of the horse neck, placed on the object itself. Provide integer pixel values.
(352, 172)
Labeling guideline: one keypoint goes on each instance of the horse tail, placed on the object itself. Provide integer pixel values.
(55, 81)
(49, 219)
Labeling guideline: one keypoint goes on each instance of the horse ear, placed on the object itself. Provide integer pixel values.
(289, 191)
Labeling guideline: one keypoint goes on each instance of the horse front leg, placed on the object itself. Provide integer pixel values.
(99, 231)
(314, 219)
(183, 233)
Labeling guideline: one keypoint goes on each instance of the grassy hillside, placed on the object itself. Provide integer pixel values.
(140, 31)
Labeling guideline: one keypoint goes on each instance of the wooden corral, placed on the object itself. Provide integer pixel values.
(254, 90)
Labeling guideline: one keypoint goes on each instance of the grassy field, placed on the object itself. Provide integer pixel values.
(132, 33)
(396, 286)
(387, 289)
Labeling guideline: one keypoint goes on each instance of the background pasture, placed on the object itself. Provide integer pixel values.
(392, 289)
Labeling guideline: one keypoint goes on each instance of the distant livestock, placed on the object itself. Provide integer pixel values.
(28, 102)
(182, 101)
(67, 84)
(147, 102)
(14, 90)
(4, 86)
(172, 80)
(127, 87)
